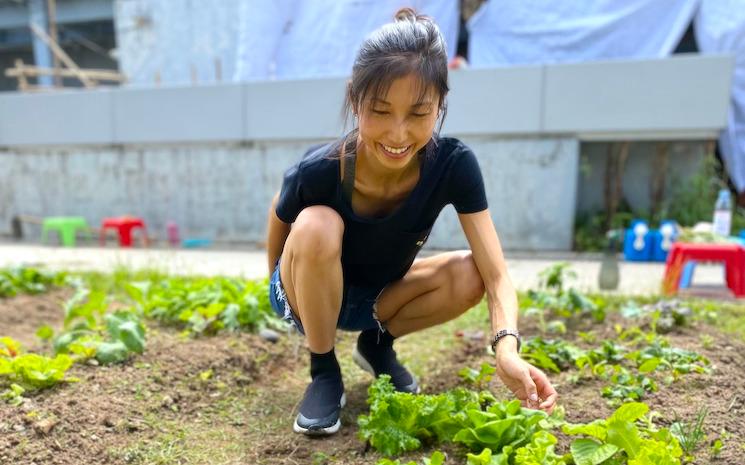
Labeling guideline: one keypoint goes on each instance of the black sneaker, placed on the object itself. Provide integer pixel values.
(320, 408)
(380, 359)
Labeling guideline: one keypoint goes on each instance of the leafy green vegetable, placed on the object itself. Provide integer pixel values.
(400, 422)
(45, 333)
(13, 395)
(127, 328)
(206, 305)
(540, 451)
(626, 386)
(111, 352)
(28, 372)
(479, 378)
(89, 331)
(500, 424)
(24, 280)
(555, 298)
(486, 457)
(591, 452)
(553, 355)
(619, 437)
(437, 458)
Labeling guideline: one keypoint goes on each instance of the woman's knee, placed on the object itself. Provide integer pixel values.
(317, 232)
(466, 279)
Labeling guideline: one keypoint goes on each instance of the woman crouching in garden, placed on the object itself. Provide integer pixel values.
(351, 216)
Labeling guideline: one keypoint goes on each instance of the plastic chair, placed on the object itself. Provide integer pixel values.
(682, 253)
(65, 226)
(123, 225)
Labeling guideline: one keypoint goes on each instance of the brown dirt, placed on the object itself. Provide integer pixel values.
(21, 316)
(247, 405)
(112, 407)
(721, 391)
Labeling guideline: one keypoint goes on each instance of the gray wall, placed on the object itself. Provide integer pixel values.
(222, 190)
(685, 97)
(210, 157)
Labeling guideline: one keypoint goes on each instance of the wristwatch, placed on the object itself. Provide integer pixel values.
(506, 332)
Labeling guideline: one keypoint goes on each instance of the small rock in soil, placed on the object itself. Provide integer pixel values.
(269, 335)
(43, 427)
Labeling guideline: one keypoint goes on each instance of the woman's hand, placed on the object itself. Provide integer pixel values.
(528, 383)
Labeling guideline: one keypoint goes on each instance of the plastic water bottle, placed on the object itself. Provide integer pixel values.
(722, 214)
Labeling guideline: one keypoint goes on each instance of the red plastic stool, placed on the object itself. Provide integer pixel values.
(732, 255)
(123, 226)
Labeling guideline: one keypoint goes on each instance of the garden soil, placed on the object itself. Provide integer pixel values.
(232, 398)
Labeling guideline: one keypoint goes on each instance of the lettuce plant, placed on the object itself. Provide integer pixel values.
(401, 422)
(24, 280)
(89, 331)
(206, 305)
(21, 372)
(618, 440)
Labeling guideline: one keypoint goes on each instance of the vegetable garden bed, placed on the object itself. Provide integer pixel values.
(206, 389)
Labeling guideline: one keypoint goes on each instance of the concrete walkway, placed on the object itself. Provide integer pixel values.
(636, 278)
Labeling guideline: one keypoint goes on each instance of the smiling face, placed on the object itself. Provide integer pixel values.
(395, 126)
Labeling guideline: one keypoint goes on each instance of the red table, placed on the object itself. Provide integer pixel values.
(123, 226)
(733, 256)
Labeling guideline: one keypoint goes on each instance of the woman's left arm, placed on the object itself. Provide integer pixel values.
(528, 383)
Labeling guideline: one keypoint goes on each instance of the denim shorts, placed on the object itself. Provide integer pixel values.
(357, 313)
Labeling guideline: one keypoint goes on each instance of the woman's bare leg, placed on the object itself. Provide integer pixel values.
(435, 290)
(312, 275)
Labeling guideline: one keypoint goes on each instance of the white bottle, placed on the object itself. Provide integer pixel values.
(722, 214)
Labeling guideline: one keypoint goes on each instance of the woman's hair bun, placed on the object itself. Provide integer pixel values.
(406, 14)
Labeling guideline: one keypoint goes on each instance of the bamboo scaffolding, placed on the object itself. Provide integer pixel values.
(58, 52)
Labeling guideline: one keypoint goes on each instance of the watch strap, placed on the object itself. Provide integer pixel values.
(506, 332)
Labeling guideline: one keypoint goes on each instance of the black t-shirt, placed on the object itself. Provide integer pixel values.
(376, 251)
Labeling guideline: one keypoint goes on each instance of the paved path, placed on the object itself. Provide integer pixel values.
(636, 278)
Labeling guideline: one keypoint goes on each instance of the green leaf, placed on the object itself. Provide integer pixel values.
(112, 352)
(45, 333)
(629, 412)
(437, 458)
(487, 458)
(649, 365)
(625, 435)
(596, 429)
(125, 327)
(591, 452)
(540, 451)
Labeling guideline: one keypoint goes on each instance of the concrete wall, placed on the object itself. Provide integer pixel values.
(210, 157)
(222, 190)
(685, 97)
(531, 185)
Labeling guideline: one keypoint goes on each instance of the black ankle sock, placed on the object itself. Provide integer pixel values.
(377, 349)
(373, 337)
(324, 364)
(326, 387)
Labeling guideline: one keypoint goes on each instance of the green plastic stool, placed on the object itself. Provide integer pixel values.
(66, 226)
